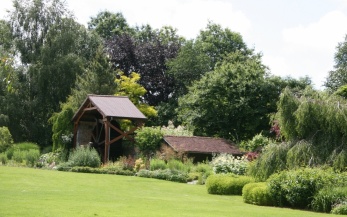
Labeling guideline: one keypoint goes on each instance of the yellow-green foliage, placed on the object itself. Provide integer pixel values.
(6, 140)
(227, 184)
(257, 193)
(129, 86)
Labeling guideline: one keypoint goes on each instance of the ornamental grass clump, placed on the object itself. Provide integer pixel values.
(84, 157)
(227, 163)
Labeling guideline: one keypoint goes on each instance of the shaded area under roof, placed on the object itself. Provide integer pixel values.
(204, 145)
(111, 106)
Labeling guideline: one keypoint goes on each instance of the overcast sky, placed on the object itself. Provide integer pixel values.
(296, 37)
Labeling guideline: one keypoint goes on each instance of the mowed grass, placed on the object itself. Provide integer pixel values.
(34, 192)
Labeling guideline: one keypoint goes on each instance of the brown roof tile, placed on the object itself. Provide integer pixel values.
(201, 145)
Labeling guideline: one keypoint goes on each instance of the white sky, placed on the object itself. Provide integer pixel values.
(296, 37)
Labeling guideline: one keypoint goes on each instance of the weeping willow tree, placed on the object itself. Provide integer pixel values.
(318, 119)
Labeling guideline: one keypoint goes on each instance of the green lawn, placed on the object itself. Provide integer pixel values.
(34, 192)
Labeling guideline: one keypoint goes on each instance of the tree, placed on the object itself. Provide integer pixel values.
(228, 102)
(108, 24)
(199, 56)
(31, 22)
(98, 78)
(338, 77)
(146, 53)
(129, 86)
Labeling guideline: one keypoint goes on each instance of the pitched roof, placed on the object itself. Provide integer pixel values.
(111, 106)
(205, 145)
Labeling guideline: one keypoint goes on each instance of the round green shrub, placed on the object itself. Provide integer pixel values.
(326, 198)
(84, 157)
(257, 193)
(148, 139)
(340, 209)
(227, 184)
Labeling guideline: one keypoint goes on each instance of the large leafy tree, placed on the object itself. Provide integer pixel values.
(108, 24)
(235, 100)
(196, 57)
(146, 52)
(338, 77)
(53, 51)
(229, 101)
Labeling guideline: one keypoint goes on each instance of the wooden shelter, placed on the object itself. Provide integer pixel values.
(97, 123)
(201, 148)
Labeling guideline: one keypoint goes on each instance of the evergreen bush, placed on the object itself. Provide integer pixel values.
(85, 157)
(227, 184)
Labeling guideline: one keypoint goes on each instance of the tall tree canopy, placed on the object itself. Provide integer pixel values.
(108, 24)
(146, 53)
(338, 77)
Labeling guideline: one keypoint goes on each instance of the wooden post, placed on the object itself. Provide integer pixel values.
(107, 140)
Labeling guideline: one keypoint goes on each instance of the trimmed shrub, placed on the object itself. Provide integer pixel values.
(6, 140)
(157, 164)
(329, 196)
(32, 156)
(227, 184)
(3, 158)
(257, 193)
(297, 188)
(85, 157)
(340, 209)
(168, 175)
(227, 163)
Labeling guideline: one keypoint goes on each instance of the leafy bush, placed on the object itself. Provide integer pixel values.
(169, 175)
(148, 139)
(6, 140)
(227, 184)
(85, 157)
(272, 160)
(227, 163)
(340, 209)
(157, 164)
(257, 142)
(298, 187)
(3, 158)
(31, 157)
(257, 193)
(329, 196)
(204, 170)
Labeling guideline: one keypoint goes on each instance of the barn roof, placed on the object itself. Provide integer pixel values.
(110, 106)
(205, 145)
